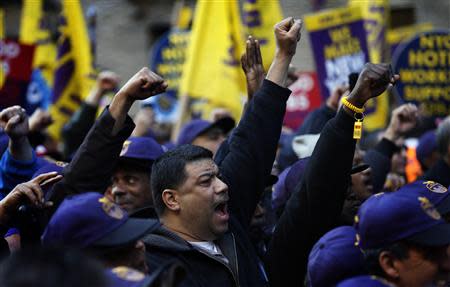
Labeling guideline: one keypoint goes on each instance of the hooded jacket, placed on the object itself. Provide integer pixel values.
(245, 167)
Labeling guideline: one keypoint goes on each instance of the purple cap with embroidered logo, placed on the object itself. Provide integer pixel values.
(386, 218)
(90, 219)
(50, 166)
(123, 276)
(142, 150)
(335, 257)
(366, 281)
(196, 127)
(435, 192)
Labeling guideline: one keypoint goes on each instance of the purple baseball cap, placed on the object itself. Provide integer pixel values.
(50, 166)
(435, 192)
(287, 181)
(385, 218)
(427, 144)
(91, 220)
(366, 281)
(123, 276)
(335, 257)
(141, 151)
(194, 128)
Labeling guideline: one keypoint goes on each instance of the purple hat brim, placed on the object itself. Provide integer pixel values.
(132, 230)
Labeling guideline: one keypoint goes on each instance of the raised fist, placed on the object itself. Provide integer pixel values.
(403, 119)
(39, 120)
(107, 81)
(287, 34)
(372, 82)
(143, 84)
(14, 120)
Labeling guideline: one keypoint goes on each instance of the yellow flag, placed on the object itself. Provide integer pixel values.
(1, 23)
(259, 17)
(395, 37)
(212, 70)
(33, 31)
(375, 14)
(74, 71)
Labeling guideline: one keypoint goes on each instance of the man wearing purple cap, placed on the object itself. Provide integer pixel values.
(404, 237)
(130, 185)
(91, 222)
(97, 159)
(206, 134)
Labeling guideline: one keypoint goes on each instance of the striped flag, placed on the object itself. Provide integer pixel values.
(34, 31)
(74, 73)
(259, 17)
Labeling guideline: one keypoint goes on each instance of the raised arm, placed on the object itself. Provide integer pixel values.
(403, 119)
(317, 203)
(19, 161)
(253, 144)
(81, 122)
(94, 162)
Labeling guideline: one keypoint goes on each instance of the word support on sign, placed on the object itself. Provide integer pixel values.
(423, 64)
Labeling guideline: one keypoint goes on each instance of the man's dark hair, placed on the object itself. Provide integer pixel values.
(51, 267)
(400, 251)
(168, 172)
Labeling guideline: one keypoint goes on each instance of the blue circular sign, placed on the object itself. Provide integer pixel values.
(423, 64)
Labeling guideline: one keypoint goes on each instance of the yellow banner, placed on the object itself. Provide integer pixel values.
(33, 31)
(398, 35)
(74, 74)
(331, 18)
(259, 17)
(212, 70)
(375, 14)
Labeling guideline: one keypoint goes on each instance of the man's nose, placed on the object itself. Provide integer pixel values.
(221, 186)
(117, 191)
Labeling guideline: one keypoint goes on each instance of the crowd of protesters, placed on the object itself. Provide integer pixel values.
(231, 202)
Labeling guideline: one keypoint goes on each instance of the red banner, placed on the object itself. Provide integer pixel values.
(305, 98)
(15, 70)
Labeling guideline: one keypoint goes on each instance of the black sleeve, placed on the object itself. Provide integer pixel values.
(313, 124)
(316, 204)
(379, 159)
(93, 164)
(252, 147)
(74, 132)
(316, 120)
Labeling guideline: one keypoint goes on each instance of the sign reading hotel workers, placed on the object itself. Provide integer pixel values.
(423, 64)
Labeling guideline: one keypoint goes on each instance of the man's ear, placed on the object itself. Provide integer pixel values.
(171, 199)
(389, 264)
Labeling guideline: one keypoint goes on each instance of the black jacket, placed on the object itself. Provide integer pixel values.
(94, 162)
(315, 207)
(245, 168)
(313, 124)
(74, 132)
